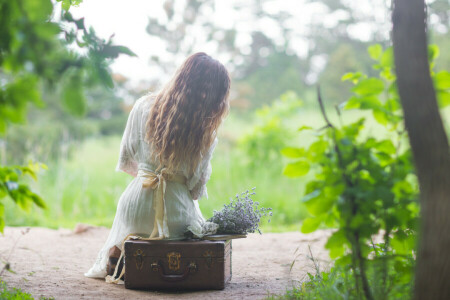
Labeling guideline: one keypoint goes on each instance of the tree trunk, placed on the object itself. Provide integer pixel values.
(429, 145)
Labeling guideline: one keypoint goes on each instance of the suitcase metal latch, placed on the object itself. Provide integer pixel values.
(139, 257)
(174, 260)
(208, 255)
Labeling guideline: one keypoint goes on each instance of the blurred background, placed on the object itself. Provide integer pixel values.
(277, 52)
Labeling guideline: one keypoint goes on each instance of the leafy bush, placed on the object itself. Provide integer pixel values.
(364, 186)
(338, 283)
(32, 56)
(271, 132)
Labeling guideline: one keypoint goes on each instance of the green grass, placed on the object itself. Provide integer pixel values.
(16, 294)
(86, 188)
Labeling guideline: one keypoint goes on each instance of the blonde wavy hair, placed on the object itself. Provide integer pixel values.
(187, 112)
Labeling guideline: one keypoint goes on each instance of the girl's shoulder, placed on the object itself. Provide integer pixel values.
(144, 103)
(145, 100)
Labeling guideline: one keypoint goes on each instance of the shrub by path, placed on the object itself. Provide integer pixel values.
(51, 263)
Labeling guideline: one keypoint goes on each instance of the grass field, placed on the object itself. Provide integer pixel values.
(85, 188)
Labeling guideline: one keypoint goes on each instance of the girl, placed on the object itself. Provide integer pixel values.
(167, 146)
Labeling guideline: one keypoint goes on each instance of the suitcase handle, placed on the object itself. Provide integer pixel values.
(190, 268)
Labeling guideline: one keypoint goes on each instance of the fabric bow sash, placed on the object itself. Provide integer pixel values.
(157, 182)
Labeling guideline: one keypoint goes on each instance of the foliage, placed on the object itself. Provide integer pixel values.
(266, 62)
(16, 294)
(241, 216)
(338, 283)
(62, 131)
(12, 186)
(32, 55)
(13, 294)
(84, 188)
(271, 132)
(281, 70)
(363, 186)
(343, 59)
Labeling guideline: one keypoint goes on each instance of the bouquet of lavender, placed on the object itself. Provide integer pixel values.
(241, 216)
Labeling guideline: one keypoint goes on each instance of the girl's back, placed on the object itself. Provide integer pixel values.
(167, 146)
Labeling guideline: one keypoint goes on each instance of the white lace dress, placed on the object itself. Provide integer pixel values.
(134, 210)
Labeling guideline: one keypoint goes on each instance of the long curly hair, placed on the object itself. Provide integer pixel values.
(183, 121)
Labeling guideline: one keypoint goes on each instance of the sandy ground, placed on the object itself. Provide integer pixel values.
(51, 263)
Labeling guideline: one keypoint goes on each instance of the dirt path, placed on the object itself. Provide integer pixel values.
(51, 263)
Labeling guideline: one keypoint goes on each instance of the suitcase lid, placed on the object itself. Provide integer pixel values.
(186, 248)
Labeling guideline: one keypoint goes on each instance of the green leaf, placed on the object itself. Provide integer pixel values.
(433, 52)
(369, 86)
(370, 102)
(402, 188)
(3, 191)
(38, 201)
(47, 30)
(381, 117)
(66, 4)
(330, 221)
(29, 171)
(402, 243)
(38, 11)
(320, 205)
(114, 51)
(313, 195)
(80, 23)
(392, 90)
(293, 152)
(352, 130)
(310, 224)
(444, 99)
(2, 126)
(357, 221)
(335, 244)
(387, 74)
(352, 103)
(387, 59)
(318, 147)
(442, 81)
(313, 185)
(23, 202)
(375, 51)
(296, 169)
(304, 128)
(321, 201)
(344, 261)
(386, 146)
(105, 77)
(126, 50)
(392, 105)
(354, 77)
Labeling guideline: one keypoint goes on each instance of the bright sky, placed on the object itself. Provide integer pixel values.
(128, 20)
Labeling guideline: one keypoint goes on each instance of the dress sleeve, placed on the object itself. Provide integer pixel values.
(130, 142)
(197, 183)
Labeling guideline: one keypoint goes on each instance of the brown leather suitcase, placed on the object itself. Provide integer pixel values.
(177, 265)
